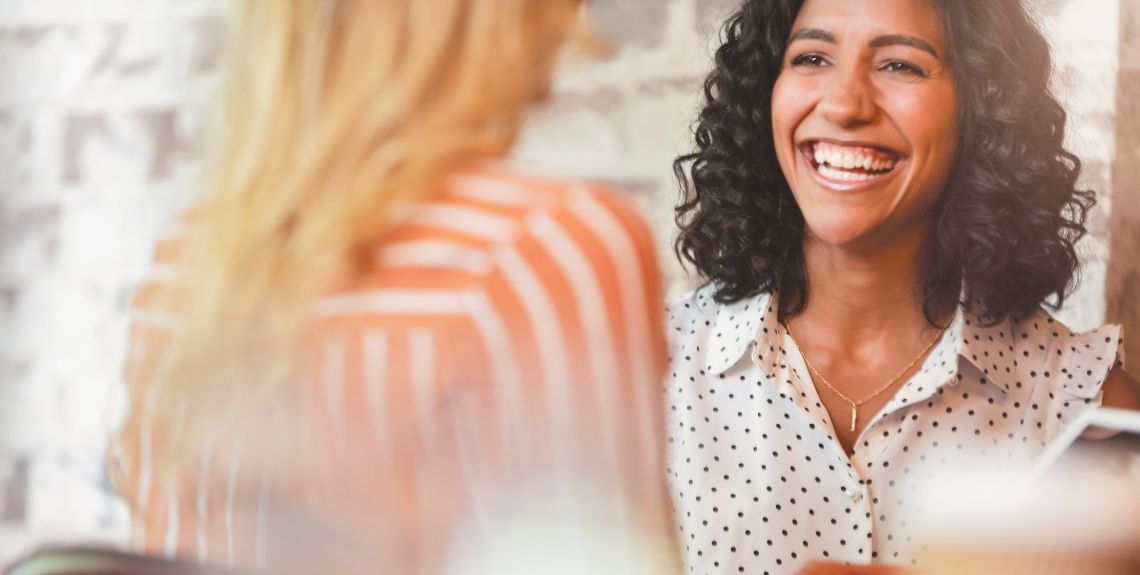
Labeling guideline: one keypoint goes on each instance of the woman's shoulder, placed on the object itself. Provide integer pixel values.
(1044, 339)
(509, 184)
(712, 335)
(701, 306)
(695, 306)
(1092, 362)
(1040, 358)
(500, 203)
(1039, 351)
(490, 222)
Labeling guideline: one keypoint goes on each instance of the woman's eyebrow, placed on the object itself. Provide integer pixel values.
(812, 34)
(877, 42)
(903, 40)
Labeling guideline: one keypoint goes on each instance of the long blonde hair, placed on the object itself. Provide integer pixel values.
(336, 114)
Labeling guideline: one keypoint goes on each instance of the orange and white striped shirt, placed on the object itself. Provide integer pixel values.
(504, 352)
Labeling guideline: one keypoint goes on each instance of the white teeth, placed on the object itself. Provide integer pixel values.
(845, 159)
(843, 176)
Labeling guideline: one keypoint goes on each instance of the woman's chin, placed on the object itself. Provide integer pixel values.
(838, 232)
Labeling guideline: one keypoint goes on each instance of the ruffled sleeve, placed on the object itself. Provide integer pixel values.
(1085, 362)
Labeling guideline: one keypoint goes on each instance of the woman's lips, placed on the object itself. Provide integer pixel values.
(847, 168)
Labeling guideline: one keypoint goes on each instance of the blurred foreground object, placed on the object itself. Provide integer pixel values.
(102, 561)
(1077, 513)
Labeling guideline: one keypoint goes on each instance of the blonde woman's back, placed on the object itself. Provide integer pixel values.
(487, 386)
(372, 349)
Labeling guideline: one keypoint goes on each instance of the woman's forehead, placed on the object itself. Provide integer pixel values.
(871, 18)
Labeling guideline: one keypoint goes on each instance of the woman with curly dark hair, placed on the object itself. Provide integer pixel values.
(881, 203)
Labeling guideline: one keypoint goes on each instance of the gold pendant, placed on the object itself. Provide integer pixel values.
(854, 416)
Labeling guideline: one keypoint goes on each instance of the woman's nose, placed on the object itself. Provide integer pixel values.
(849, 99)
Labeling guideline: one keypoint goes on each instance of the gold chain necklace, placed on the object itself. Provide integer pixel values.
(855, 404)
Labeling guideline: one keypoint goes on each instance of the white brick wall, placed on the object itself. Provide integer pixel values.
(99, 111)
(97, 126)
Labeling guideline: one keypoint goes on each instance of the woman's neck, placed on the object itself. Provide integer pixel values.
(858, 297)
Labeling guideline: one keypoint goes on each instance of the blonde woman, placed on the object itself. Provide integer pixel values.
(372, 345)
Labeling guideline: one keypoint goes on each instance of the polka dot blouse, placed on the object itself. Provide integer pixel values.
(760, 483)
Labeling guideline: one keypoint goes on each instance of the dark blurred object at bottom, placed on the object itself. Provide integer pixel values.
(69, 560)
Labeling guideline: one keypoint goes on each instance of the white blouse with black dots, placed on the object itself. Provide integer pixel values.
(760, 483)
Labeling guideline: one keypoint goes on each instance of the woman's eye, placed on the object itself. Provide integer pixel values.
(811, 60)
(903, 68)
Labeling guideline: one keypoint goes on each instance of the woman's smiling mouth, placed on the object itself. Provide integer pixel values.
(846, 168)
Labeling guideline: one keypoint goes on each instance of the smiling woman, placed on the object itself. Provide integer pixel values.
(887, 181)
(1011, 213)
(865, 107)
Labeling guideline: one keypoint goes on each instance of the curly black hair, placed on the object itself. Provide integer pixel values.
(1005, 227)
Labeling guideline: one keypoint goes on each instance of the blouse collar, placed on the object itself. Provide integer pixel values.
(753, 323)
